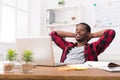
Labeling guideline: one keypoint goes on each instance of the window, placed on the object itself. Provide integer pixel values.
(14, 22)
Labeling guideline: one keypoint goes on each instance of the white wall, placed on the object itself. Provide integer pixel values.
(37, 14)
(0, 14)
(42, 16)
(34, 17)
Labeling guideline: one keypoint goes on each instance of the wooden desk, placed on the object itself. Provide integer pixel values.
(53, 73)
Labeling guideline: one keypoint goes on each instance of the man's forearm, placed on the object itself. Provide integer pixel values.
(65, 34)
(98, 34)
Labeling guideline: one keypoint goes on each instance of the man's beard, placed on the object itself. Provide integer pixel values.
(81, 40)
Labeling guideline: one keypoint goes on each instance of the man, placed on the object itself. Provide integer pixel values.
(81, 51)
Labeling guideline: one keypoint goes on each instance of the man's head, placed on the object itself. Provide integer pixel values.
(82, 32)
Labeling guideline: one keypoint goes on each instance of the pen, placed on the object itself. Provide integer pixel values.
(90, 65)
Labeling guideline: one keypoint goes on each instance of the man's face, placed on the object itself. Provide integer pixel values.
(81, 33)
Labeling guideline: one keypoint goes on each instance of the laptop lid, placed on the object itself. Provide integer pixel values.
(41, 48)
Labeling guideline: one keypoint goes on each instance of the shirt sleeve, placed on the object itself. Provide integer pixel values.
(62, 43)
(104, 41)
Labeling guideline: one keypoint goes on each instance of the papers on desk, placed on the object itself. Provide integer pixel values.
(79, 66)
(73, 67)
(109, 66)
(112, 69)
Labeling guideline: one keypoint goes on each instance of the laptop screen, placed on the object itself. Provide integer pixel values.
(40, 46)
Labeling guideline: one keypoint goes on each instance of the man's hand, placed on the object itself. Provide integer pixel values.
(96, 34)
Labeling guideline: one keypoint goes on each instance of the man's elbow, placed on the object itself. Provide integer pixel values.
(112, 32)
(52, 33)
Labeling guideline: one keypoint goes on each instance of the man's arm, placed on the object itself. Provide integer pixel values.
(96, 34)
(57, 37)
(65, 34)
(105, 38)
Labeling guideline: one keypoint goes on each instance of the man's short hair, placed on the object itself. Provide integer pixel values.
(87, 26)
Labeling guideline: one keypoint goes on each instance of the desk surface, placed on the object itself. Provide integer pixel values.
(54, 73)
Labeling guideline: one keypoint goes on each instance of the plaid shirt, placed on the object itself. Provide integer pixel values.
(91, 51)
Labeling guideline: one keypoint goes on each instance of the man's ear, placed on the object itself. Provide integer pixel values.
(88, 36)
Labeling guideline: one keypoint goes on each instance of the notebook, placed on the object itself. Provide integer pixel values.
(41, 48)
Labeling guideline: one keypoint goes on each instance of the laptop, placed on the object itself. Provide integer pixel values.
(41, 48)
